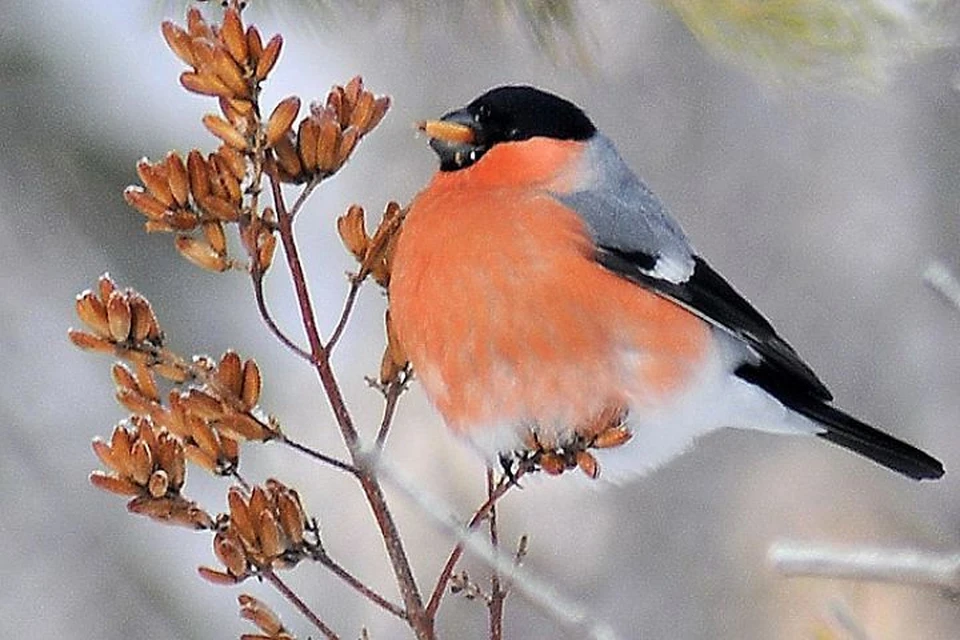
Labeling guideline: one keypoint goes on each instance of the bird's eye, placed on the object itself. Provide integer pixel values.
(473, 156)
(513, 133)
(483, 111)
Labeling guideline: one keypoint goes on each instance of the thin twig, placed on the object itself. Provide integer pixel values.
(267, 318)
(567, 612)
(844, 618)
(317, 455)
(363, 589)
(939, 278)
(903, 566)
(447, 572)
(304, 194)
(420, 623)
(392, 395)
(240, 479)
(345, 314)
(295, 600)
(497, 594)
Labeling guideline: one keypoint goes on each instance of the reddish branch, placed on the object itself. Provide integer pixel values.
(420, 621)
(482, 512)
(301, 606)
(497, 595)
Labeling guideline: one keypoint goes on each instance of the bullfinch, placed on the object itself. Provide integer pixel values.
(551, 306)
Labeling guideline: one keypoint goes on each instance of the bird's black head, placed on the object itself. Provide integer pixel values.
(504, 114)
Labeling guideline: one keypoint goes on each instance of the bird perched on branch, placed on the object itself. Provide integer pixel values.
(558, 316)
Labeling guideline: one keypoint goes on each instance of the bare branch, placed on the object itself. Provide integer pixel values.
(844, 618)
(392, 395)
(420, 623)
(301, 606)
(317, 455)
(567, 612)
(497, 594)
(354, 582)
(271, 323)
(939, 278)
(902, 566)
(447, 572)
(345, 314)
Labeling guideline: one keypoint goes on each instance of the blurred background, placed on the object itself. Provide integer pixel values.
(821, 180)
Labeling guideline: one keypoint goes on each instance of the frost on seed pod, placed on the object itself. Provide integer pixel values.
(121, 322)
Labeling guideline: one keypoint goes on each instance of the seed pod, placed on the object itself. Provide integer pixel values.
(353, 233)
(114, 484)
(240, 517)
(254, 44)
(282, 119)
(613, 437)
(552, 463)
(156, 180)
(199, 174)
(119, 316)
(142, 463)
(242, 427)
(206, 84)
(229, 551)
(260, 614)
(328, 146)
(269, 57)
(292, 518)
(144, 324)
(201, 404)
(93, 313)
(225, 131)
(201, 254)
(178, 179)
(217, 577)
(346, 146)
(231, 33)
(158, 484)
(588, 464)
(287, 156)
(225, 68)
(307, 136)
(268, 246)
(230, 373)
(144, 203)
(252, 383)
(178, 40)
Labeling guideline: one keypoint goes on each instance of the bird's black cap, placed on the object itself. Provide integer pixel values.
(509, 114)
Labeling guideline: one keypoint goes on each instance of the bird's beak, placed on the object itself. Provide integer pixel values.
(447, 131)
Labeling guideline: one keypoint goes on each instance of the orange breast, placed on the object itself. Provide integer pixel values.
(506, 317)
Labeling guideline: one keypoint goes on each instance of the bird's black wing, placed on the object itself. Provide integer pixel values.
(778, 370)
(708, 295)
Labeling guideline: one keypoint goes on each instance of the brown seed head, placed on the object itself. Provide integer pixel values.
(353, 233)
(261, 615)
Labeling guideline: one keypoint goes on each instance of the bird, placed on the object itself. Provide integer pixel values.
(554, 311)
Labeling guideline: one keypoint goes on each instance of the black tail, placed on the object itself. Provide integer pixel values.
(848, 432)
